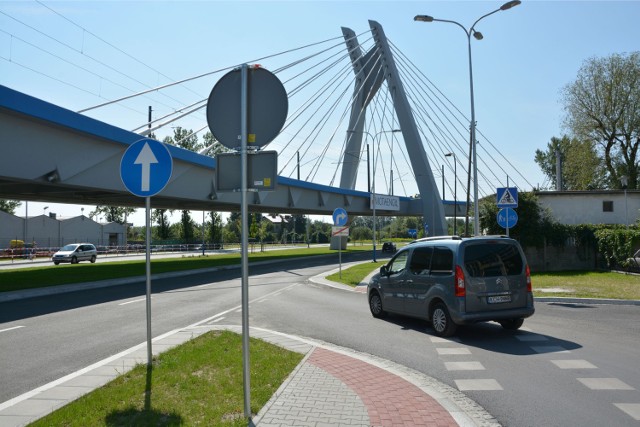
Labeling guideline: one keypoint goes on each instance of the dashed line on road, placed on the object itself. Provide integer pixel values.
(605, 384)
(11, 329)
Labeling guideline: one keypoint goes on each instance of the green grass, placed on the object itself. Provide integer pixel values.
(197, 383)
(586, 284)
(352, 276)
(51, 275)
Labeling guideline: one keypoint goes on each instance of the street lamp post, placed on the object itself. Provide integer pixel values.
(455, 190)
(372, 196)
(624, 180)
(473, 143)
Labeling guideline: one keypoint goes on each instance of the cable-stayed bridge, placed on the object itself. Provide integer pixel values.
(362, 120)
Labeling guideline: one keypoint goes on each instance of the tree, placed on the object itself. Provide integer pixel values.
(603, 106)
(582, 168)
(215, 227)
(187, 224)
(163, 230)
(112, 213)
(9, 206)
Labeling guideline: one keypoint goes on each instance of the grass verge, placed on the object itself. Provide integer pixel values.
(586, 284)
(352, 276)
(39, 277)
(197, 383)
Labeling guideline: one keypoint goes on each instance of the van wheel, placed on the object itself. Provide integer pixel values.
(441, 321)
(512, 324)
(74, 260)
(93, 259)
(375, 305)
(56, 262)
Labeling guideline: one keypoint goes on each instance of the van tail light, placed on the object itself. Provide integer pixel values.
(461, 290)
(527, 273)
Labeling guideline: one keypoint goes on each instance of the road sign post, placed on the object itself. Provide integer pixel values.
(339, 229)
(145, 169)
(249, 102)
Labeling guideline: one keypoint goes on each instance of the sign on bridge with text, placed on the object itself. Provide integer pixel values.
(384, 202)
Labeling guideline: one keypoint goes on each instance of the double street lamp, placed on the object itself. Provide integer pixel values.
(473, 149)
(373, 186)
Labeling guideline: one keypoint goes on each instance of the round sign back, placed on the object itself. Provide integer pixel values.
(267, 106)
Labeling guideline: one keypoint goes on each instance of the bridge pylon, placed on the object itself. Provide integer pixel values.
(371, 69)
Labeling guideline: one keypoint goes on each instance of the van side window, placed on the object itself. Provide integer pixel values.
(421, 260)
(442, 262)
(399, 263)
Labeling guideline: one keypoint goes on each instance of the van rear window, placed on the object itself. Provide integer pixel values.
(487, 260)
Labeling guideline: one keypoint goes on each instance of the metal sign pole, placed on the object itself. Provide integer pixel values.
(148, 274)
(244, 92)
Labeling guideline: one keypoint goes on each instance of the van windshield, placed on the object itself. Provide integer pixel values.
(69, 248)
(492, 259)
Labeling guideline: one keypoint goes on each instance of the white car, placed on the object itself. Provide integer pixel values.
(75, 252)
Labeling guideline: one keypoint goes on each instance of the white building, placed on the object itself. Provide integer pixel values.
(592, 207)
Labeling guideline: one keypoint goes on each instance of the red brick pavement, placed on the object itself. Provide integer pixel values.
(390, 400)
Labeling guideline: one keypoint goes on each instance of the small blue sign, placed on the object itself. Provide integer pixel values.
(426, 229)
(507, 197)
(412, 232)
(507, 218)
(340, 217)
(146, 167)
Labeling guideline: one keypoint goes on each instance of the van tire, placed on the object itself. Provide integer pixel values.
(93, 259)
(375, 305)
(512, 324)
(74, 260)
(441, 321)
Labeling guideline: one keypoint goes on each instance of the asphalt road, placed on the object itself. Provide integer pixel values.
(570, 365)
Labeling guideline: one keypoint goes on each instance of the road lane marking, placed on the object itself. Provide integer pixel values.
(453, 350)
(132, 301)
(573, 364)
(605, 384)
(478, 385)
(11, 329)
(549, 349)
(464, 366)
(631, 409)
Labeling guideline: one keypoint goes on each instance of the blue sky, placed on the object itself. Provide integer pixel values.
(528, 53)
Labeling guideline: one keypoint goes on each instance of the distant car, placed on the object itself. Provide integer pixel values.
(75, 252)
(453, 281)
(389, 247)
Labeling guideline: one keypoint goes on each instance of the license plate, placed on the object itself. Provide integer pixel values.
(499, 299)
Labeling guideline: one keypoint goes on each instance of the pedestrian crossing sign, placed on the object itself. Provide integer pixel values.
(507, 197)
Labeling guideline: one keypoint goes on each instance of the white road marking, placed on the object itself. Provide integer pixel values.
(573, 364)
(464, 366)
(218, 319)
(605, 384)
(135, 300)
(11, 329)
(631, 409)
(549, 349)
(453, 350)
(478, 385)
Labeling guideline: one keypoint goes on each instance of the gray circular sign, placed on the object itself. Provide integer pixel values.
(267, 105)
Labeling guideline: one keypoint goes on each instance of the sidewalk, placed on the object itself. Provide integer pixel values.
(332, 386)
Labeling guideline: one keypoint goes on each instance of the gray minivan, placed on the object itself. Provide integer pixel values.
(453, 281)
(75, 252)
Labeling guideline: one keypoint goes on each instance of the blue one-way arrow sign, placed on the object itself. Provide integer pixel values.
(146, 167)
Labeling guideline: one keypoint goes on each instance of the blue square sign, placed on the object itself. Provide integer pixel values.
(507, 197)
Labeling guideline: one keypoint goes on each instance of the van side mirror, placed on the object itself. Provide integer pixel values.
(384, 270)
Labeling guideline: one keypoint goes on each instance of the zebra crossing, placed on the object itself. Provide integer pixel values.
(458, 358)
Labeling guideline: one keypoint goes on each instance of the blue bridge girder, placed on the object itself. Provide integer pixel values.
(52, 154)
